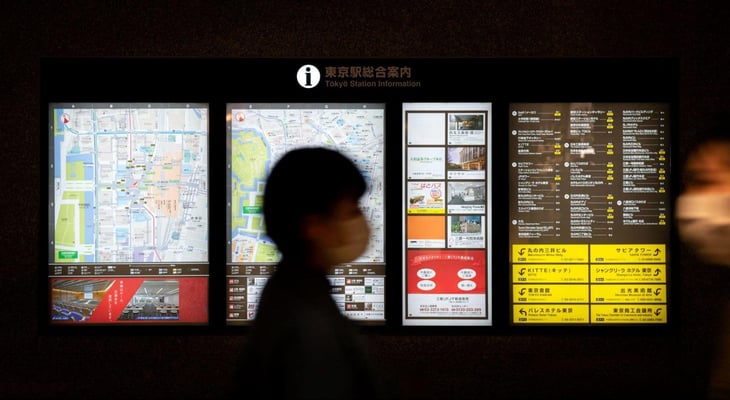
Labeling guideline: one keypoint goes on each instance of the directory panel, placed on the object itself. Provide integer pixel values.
(589, 213)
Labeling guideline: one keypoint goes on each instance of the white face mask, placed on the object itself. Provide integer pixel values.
(703, 223)
(352, 239)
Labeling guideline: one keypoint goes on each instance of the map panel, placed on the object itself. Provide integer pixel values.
(130, 183)
(261, 134)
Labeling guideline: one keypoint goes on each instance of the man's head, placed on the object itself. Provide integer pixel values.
(703, 207)
(707, 168)
(311, 205)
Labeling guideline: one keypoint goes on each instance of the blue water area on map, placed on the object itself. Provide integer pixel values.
(147, 149)
(57, 155)
(139, 215)
(122, 235)
(89, 217)
(123, 197)
(89, 171)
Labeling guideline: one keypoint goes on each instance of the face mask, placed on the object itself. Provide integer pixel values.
(703, 223)
(353, 236)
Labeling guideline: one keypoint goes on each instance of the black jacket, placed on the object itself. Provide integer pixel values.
(302, 347)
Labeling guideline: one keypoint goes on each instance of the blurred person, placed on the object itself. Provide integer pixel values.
(703, 223)
(301, 346)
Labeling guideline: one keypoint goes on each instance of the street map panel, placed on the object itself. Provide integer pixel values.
(261, 134)
(130, 183)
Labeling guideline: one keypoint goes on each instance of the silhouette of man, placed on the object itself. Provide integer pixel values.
(301, 345)
(703, 216)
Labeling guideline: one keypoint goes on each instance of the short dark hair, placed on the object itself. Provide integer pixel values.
(306, 181)
(717, 133)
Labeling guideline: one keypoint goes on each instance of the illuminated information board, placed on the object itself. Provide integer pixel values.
(589, 213)
(447, 205)
(128, 213)
(259, 134)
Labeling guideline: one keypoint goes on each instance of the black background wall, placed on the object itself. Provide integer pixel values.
(525, 364)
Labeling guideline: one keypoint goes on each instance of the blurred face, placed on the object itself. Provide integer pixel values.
(703, 209)
(708, 169)
(342, 236)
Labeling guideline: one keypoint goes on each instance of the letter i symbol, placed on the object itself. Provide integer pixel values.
(308, 74)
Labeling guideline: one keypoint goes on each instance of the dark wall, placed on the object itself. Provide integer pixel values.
(561, 364)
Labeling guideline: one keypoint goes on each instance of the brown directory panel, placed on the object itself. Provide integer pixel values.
(589, 213)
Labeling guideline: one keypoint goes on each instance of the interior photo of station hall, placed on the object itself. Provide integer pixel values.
(544, 218)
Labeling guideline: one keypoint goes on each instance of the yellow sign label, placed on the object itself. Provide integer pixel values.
(619, 273)
(550, 314)
(558, 273)
(629, 293)
(425, 211)
(628, 253)
(628, 313)
(549, 253)
(557, 293)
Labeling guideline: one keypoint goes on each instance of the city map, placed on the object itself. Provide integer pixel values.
(130, 183)
(261, 135)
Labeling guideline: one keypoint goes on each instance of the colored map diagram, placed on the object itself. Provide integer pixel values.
(259, 137)
(131, 184)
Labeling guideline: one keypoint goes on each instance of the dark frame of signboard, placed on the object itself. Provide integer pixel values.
(218, 81)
